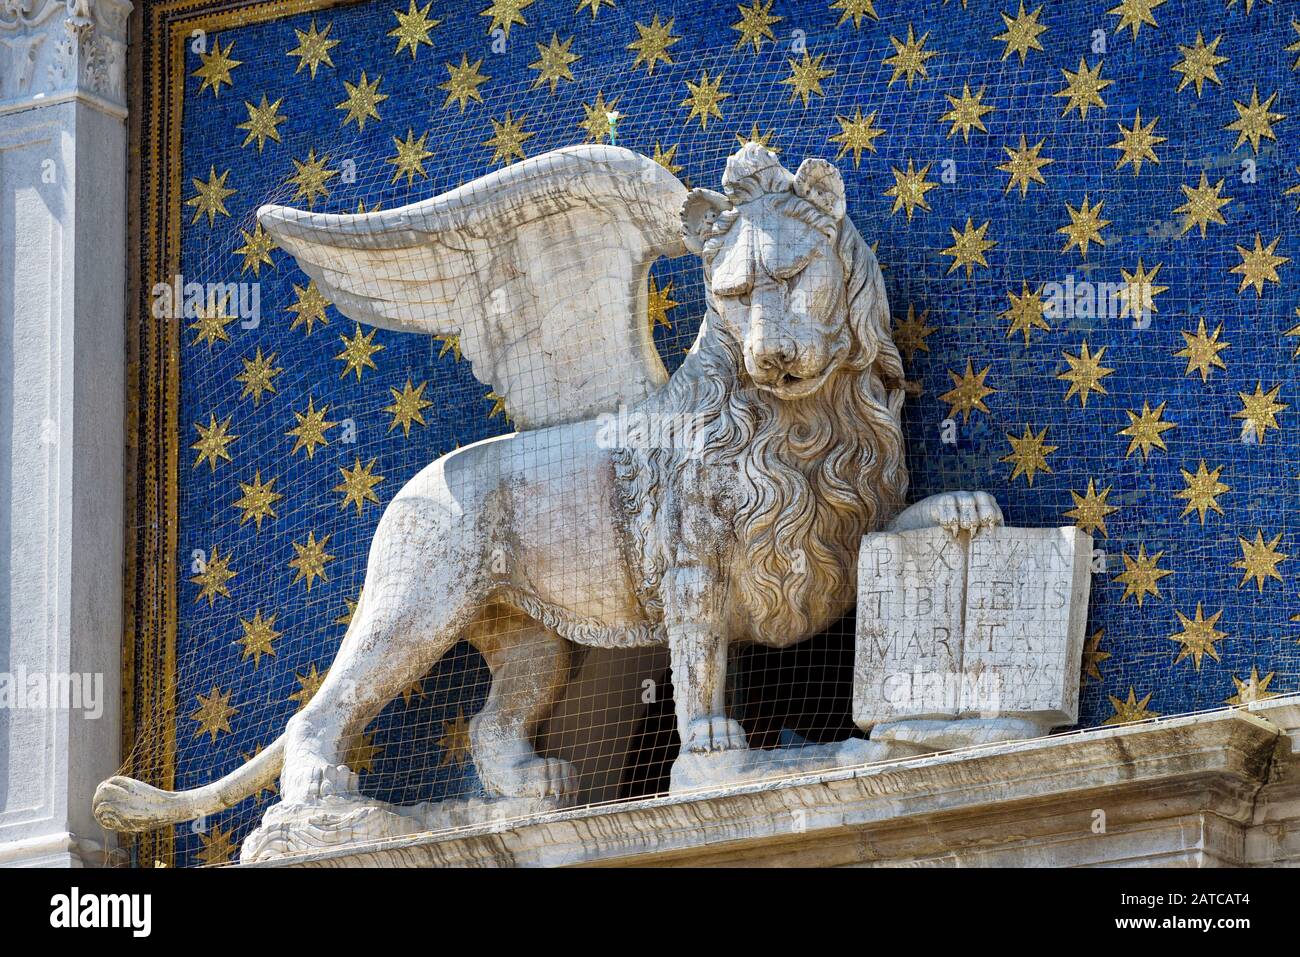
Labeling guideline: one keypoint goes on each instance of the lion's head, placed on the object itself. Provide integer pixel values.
(776, 273)
(800, 384)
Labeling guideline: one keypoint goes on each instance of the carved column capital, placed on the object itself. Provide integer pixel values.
(56, 50)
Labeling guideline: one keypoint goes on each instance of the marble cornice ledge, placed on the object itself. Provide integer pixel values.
(59, 51)
(1180, 791)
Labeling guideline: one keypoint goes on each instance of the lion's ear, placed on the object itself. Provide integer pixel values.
(699, 212)
(820, 183)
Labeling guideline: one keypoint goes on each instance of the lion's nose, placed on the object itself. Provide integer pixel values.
(778, 356)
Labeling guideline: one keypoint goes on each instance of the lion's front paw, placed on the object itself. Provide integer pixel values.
(714, 733)
(965, 511)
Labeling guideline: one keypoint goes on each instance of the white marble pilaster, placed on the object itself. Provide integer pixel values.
(62, 296)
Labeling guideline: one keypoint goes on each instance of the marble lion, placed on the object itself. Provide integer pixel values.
(560, 534)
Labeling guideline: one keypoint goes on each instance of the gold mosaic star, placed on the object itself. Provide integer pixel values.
(1198, 63)
(1085, 374)
(1026, 312)
(310, 177)
(1295, 331)
(1029, 454)
(410, 157)
(1135, 14)
(1202, 491)
(212, 580)
(704, 98)
(910, 333)
(311, 428)
(909, 189)
(1259, 265)
(1131, 710)
(756, 136)
(310, 560)
(358, 485)
(506, 13)
(258, 638)
(856, 134)
(967, 393)
(1146, 431)
(1203, 205)
(352, 603)
(257, 501)
(258, 376)
(1198, 636)
(1202, 351)
(598, 123)
(968, 247)
(1295, 47)
(216, 66)
(256, 250)
(413, 692)
(309, 308)
(218, 848)
(1255, 120)
(413, 28)
(755, 24)
(1138, 143)
(652, 44)
(1252, 689)
(1259, 560)
(552, 63)
(665, 158)
(361, 753)
(313, 48)
(1294, 191)
(1022, 32)
(507, 140)
(658, 302)
(806, 77)
(214, 441)
(1083, 89)
(362, 101)
(498, 406)
(211, 196)
(210, 322)
(214, 713)
(358, 352)
(1023, 165)
(1090, 509)
(1085, 226)
(1249, 5)
(967, 112)
(263, 122)
(1093, 656)
(1141, 575)
(909, 57)
(454, 743)
(463, 82)
(1259, 411)
(594, 5)
(407, 407)
(855, 10)
(308, 685)
(1137, 294)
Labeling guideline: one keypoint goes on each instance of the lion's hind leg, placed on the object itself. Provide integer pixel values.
(529, 664)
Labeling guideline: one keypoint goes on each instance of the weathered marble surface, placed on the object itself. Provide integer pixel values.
(1216, 789)
(984, 627)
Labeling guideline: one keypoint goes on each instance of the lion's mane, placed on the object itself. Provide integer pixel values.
(815, 474)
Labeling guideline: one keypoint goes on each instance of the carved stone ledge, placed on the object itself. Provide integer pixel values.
(1182, 792)
(52, 51)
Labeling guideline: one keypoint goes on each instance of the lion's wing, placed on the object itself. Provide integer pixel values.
(539, 268)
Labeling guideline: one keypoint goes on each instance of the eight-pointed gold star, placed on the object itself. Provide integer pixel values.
(1135, 14)
(216, 66)
(553, 62)
(652, 44)
(909, 189)
(1141, 575)
(968, 246)
(407, 407)
(755, 24)
(1259, 411)
(211, 196)
(1198, 63)
(358, 352)
(463, 82)
(212, 580)
(1026, 312)
(257, 501)
(362, 101)
(310, 560)
(258, 376)
(1259, 265)
(311, 428)
(1085, 374)
(214, 713)
(967, 112)
(1083, 89)
(909, 57)
(358, 485)
(1091, 508)
(1022, 32)
(1259, 560)
(413, 28)
(214, 441)
(506, 13)
(1138, 143)
(856, 134)
(410, 156)
(1203, 205)
(259, 637)
(1202, 351)
(806, 77)
(1029, 454)
(313, 48)
(1085, 226)
(1198, 636)
(1202, 490)
(704, 98)
(310, 177)
(1255, 120)
(1146, 431)
(507, 139)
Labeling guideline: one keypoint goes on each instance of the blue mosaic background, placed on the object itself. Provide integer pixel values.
(1135, 668)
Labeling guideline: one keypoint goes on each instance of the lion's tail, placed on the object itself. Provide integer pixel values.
(125, 804)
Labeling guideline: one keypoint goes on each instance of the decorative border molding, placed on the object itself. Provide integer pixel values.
(54, 51)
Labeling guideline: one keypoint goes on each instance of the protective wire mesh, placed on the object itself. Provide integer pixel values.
(306, 423)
